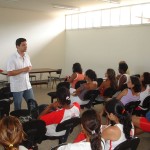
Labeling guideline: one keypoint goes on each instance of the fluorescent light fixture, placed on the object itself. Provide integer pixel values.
(112, 1)
(65, 7)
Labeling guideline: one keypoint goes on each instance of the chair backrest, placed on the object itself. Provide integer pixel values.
(4, 108)
(59, 71)
(130, 144)
(63, 84)
(99, 81)
(35, 131)
(68, 124)
(78, 84)
(5, 92)
(146, 102)
(91, 95)
(130, 107)
(109, 92)
(22, 114)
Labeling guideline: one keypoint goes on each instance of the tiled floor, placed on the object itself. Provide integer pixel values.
(42, 98)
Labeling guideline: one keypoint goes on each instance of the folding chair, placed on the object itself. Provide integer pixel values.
(130, 144)
(67, 125)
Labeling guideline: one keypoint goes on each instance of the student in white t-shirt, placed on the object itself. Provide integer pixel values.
(120, 128)
(90, 123)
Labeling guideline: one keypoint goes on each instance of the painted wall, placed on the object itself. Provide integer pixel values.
(44, 33)
(103, 48)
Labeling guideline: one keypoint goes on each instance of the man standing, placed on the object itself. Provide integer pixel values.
(18, 68)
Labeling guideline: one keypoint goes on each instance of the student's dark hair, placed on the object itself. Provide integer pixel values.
(63, 96)
(77, 68)
(137, 85)
(123, 67)
(18, 41)
(112, 77)
(91, 74)
(90, 121)
(146, 76)
(115, 107)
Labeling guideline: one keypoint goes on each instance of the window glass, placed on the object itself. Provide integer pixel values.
(136, 14)
(96, 18)
(146, 13)
(89, 19)
(75, 21)
(115, 17)
(68, 22)
(82, 20)
(124, 15)
(106, 17)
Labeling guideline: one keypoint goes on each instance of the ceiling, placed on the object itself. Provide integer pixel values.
(66, 6)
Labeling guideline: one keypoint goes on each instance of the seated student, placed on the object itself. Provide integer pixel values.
(132, 93)
(11, 133)
(110, 82)
(120, 128)
(145, 82)
(142, 124)
(90, 124)
(76, 76)
(123, 77)
(63, 111)
(91, 84)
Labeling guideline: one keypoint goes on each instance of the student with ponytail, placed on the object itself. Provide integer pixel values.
(11, 133)
(59, 111)
(90, 124)
(120, 128)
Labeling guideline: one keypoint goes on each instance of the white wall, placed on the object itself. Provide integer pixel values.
(100, 49)
(44, 33)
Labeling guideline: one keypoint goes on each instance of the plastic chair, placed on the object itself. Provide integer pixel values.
(130, 107)
(35, 131)
(61, 84)
(78, 84)
(4, 108)
(130, 144)
(67, 125)
(90, 95)
(142, 110)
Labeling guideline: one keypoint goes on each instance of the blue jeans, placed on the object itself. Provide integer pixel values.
(17, 96)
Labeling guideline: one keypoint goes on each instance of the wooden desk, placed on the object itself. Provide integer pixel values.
(38, 70)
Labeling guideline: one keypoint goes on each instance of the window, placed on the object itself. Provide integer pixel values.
(124, 15)
(106, 17)
(136, 14)
(82, 20)
(146, 13)
(115, 17)
(68, 22)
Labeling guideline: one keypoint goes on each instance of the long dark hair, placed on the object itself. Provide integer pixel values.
(115, 107)
(112, 77)
(90, 121)
(146, 76)
(136, 82)
(63, 96)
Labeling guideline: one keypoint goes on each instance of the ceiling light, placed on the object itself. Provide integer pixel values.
(66, 7)
(111, 1)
